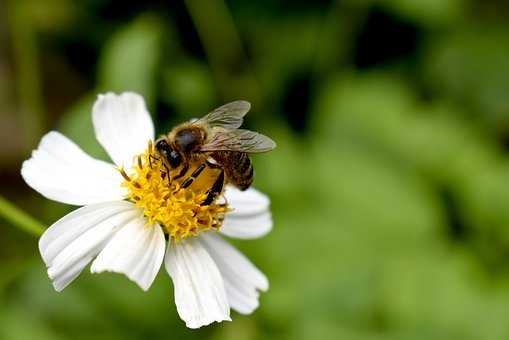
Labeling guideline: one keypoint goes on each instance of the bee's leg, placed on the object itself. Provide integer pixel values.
(182, 172)
(150, 157)
(193, 176)
(215, 190)
(165, 172)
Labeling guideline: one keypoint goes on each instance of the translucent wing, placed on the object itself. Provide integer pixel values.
(228, 116)
(239, 140)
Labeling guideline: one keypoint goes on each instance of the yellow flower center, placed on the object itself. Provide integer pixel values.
(178, 210)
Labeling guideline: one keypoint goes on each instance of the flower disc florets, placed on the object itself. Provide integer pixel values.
(178, 210)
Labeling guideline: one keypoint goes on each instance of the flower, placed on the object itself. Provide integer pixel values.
(129, 211)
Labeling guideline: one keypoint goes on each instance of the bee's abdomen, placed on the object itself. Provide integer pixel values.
(238, 168)
(244, 171)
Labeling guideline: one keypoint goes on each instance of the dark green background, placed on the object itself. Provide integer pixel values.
(389, 186)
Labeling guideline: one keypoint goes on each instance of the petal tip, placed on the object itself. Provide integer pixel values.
(143, 285)
(58, 288)
(264, 284)
(202, 322)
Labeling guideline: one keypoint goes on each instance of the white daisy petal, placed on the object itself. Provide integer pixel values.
(122, 125)
(247, 227)
(242, 279)
(61, 171)
(73, 241)
(248, 202)
(250, 218)
(136, 250)
(199, 290)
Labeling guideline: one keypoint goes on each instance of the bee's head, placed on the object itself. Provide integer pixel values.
(173, 157)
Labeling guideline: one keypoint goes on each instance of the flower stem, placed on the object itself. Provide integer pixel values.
(25, 54)
(19, 218)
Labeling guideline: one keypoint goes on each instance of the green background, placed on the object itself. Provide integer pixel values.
(389, 186)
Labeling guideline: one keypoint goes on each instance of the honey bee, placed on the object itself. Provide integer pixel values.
(216, 142)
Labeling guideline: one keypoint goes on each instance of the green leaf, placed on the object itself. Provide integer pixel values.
(429, 13)
(77, 125)
(471, 68)
(189, 86)
(130, 59)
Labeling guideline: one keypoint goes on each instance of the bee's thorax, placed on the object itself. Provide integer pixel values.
(189, 139)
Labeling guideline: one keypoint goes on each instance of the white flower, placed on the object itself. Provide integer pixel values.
(121, 232)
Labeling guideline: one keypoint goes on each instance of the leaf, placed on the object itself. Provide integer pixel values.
(77, 125)
(130, 59)
(189, 86)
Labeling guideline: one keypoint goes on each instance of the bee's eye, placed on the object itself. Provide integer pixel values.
(171, 155)
(174, 158)
(163, 147)
(161, 144)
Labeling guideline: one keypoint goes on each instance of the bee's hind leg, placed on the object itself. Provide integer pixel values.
(215, 190)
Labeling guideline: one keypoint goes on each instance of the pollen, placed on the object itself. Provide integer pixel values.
(163, 200)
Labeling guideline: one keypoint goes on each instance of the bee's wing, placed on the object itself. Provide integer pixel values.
(228, 116)
(239, 140)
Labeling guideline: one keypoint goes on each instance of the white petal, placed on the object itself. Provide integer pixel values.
(242, 279)
(199, 290)
(61, 171)
(251, 216)
(122, 125)
(73, 241)
(248, 202)
(136, 250)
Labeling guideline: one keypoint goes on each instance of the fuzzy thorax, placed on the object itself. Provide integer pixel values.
(178, 210)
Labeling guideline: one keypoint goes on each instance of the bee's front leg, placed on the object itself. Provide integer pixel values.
(150, 158)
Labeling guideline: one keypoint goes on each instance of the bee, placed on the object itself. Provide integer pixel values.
(215, 142)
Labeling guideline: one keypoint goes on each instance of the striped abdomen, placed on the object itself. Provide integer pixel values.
(237, 167)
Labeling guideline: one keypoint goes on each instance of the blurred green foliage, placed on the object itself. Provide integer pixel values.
(389, 186)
